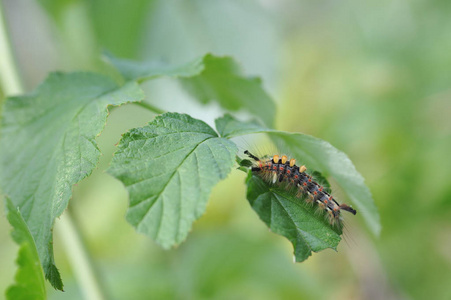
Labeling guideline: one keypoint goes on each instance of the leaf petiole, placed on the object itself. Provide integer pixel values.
(150, 107)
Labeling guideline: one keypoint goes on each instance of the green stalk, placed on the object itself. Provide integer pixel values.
(150, 107)
(9, 76)
(67, 230)
(69, 233)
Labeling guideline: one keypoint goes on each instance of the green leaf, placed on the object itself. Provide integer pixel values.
(48, 144)
(291, 217)
(140, 71)
(210, 78)
(169, 168)
(318, 155)
(223, 81)
(229, 127)
(29, 277)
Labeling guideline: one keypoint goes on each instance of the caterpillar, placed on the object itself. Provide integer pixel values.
(283, 171)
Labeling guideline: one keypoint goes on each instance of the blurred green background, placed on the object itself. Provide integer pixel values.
(371, 77)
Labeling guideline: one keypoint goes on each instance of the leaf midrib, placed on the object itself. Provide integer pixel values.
(167, 183)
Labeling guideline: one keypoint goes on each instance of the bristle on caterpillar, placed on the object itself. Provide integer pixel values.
(284, 171)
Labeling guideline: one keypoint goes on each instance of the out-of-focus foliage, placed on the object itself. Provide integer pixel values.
(370, 77)
(117, 25)
(382, 94)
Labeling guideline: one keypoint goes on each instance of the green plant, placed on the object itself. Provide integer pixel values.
(168, 167)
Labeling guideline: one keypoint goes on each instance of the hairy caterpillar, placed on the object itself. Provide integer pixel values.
(284, 171)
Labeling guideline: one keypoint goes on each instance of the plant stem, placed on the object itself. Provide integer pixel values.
(78, 257)
(150, 107)
(11, 84)
(9, 76)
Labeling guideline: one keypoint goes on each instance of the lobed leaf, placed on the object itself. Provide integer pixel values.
(222, 81)
(291, 217)
(29, 277)
(169, 168)
(48, 144)
(318, 155)
(209, 78)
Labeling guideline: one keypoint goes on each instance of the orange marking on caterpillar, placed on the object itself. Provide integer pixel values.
(284, 159)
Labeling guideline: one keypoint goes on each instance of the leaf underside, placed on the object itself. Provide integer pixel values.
(169, 168)
(48, 144)
(290, 216)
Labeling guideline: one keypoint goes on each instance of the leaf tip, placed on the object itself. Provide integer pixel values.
(53, 276)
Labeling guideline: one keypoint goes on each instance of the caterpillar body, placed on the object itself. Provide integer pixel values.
(283, 171)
